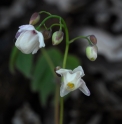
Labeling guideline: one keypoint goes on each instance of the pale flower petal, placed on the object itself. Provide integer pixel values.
(77, 79)
(79, 68)
(29, 40)
(17, 34)
(84, 88)
(67, 77)
(41, 39)
(63, 90)
(26, 27)
(63, 71)
(35, 50)
(72, 78)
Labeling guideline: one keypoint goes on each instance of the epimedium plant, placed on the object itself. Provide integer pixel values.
(51, 63)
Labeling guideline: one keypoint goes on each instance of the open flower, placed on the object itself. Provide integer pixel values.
(29, 40)
(72, 81)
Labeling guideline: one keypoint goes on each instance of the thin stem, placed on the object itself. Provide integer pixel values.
(51, 16)
(65, 55)
(49, 61)
(57, 104)
(64, 65)
(61, 110)
(60, 24)
(55, 25)
(45, 12)
(83, 37)
(67, 46)
(45, 27)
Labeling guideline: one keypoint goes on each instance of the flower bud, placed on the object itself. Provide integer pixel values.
(57, 37)
(34, 18)
(47, 34)
(57, 68)
(93, 39)
(91, 52)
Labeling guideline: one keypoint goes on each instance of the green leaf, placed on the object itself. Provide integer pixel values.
(72, 62)
(12, 60)
(43, 79)
(40, 68)
(56, 56)
(47, 88)
(24, 63)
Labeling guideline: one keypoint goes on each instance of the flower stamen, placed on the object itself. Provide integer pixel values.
(70, 85)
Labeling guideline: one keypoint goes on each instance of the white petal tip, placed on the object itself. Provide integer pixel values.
(88, 94)
(40, 46)
(62, 94)
(34, 53)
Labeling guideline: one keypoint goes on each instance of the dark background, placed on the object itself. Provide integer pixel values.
(18, 105)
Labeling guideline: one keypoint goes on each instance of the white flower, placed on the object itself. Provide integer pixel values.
(29, 40)
(72, 81)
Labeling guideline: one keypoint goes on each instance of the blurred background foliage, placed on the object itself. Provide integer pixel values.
(20, 105)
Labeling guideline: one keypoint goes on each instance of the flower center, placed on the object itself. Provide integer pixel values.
(70, 85)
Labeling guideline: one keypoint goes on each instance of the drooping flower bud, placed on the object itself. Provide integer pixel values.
(47, 34)
(93, 39)
(56, 69)
(91, 52)
(57, 37)
(34, 18)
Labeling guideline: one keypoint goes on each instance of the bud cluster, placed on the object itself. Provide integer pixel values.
(57, 36)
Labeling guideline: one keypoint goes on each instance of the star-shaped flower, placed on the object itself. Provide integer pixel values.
(72, 81)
